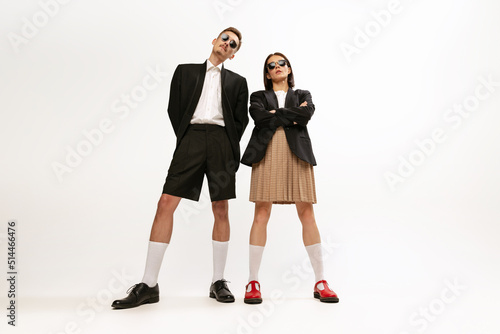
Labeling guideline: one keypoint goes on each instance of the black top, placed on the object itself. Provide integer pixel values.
(266, 123)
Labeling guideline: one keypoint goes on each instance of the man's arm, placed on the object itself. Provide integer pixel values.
(174, 101)
(241, 109)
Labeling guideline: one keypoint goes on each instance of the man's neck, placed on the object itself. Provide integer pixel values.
(216, 61)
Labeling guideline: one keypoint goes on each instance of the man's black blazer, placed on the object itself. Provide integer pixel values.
(185, 92)
(266, 123)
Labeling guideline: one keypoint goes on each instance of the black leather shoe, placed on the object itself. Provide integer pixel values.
(220, 291)
(139, 294)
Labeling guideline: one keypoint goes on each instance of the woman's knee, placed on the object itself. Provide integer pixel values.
(306, 213)
(262, 213)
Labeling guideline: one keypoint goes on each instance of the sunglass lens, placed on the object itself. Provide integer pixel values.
(225, 38)
(272, 64)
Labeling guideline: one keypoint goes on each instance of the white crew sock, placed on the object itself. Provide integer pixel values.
(220, 256)
(255, 259)
(316, 256)
(156, 250)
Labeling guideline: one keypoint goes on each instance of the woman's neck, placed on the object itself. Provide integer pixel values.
(280, 85)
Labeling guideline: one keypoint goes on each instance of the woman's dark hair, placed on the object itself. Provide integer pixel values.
(268, 83)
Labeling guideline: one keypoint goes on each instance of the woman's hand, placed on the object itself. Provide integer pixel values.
(303, 104)
(272, 111)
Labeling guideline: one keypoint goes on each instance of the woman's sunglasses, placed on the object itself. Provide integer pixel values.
(225, 38)
(272, 65)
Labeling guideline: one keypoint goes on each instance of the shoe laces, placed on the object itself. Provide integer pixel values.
(131, 288)
(224, 285)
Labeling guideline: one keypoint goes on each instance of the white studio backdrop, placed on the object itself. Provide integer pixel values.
(407, 95)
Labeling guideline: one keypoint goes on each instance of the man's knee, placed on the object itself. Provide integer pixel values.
(168, 202)
(220, 209)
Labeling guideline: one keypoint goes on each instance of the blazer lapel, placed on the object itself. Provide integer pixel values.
(291, 99)
(223, 73)
(200, 79)
(223, 86)
(271, 98)
(195, 97)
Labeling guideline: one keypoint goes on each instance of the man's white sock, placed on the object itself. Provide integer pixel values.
(220, 256)
(156, 250)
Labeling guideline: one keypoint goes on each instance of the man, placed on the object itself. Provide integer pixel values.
(208, 109)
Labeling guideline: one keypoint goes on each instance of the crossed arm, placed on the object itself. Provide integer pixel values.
(303, 104)
(282, 116)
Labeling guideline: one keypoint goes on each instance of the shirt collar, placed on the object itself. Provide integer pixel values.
(210, 65)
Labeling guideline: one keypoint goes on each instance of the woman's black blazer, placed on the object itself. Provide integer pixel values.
(266, 123)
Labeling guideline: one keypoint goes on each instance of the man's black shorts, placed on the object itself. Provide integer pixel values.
(204, 150)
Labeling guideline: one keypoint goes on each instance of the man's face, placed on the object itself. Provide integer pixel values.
(223, 47)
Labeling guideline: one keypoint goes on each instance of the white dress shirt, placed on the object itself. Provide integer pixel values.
(281, 96)
(209, 108)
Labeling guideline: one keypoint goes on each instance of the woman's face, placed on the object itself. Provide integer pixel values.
(279, 73)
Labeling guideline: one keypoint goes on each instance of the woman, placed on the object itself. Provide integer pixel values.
(282, 161)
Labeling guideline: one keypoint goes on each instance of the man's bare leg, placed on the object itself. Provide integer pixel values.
(148, 290)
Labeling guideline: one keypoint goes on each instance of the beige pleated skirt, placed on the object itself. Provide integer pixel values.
(281, 177)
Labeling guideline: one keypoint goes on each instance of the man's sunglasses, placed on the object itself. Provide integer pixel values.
(225, 38)
(272, 65)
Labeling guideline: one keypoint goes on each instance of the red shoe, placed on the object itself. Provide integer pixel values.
(326, 294)
(252, 293)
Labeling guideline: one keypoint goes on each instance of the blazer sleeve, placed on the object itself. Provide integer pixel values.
(262, 117)
(241, 109)
(300, 115)
(174, 101)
